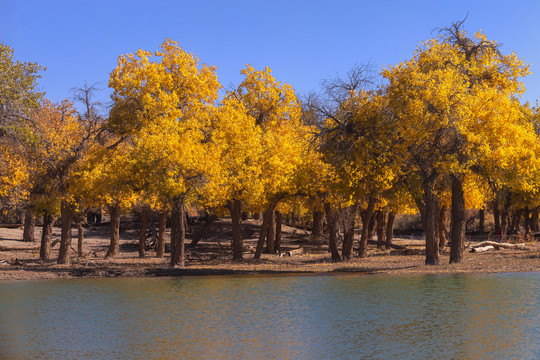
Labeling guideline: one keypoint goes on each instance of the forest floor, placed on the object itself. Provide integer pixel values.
(212, 256)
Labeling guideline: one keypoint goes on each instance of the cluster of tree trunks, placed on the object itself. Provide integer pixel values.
(380, 220)
(509, 221)
(268, 219)
(433, 214)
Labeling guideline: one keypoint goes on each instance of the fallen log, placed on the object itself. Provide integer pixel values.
(292, 252)
(498, 246)
(482, 249)
(19, 248)
(393, 246)
(11, 226)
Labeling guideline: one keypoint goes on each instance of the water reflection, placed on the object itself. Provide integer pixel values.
(273, 317)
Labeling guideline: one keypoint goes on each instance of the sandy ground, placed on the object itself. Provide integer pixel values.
(212, 257)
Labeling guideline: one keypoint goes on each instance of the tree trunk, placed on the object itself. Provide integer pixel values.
(381, 228)
(482, 221)
(438, 208)
(80, 237)
(349, 223)
(362, 251)
(457, 233)
(534, 220)
(514, 227)
(210, 219)
(178, 233)
(441, 232)
(526, 220)
(271, 234)
(279, 221)
(264, 227)
(142, 232)
(331, 218)
(504, 217)
(114, 245)
(67, 213)
(390, 229)
(371, 226)
(432, 244)
(318, 221)
(496, 217)
(160, 247)
(187, 224)
(46, 237)
(237, 244)
(29, 227)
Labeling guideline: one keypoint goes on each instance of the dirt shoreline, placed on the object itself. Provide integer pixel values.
(501, 261)
(212, 258)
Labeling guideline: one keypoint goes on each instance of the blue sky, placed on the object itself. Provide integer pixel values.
(303, 42)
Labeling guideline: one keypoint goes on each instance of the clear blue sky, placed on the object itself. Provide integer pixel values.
(303, 42)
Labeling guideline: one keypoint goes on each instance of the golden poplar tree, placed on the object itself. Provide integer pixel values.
(162, 104)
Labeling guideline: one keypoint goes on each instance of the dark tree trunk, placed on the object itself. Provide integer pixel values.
(279, 221)
(142, 232)
(237, 244)
(318, 221)
(264, 227)
(457, 234)
(526, 220)
(371, 225)
(178, 233)
(349, 222)
(438, 222)
(432, 244)
(534, 220)
(29, 227)
(80, 236)
(67, 213)
(496, 217)
(504, 217)
(160, 247)
(514, 227)
(441, 231)
(362, 251)
(210, 219)
(331, 218)
(46, 237)
(271, 235)
(257, 215)
(114, 245)
(390, 229)
(482, 221)
(381, 229)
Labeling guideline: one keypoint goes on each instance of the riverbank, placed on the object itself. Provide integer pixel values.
(20, 260)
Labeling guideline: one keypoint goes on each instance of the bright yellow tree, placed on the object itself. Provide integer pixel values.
(454, 102)
(162, 104)
(276, 111)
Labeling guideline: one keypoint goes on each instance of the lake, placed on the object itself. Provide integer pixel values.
(487, 316)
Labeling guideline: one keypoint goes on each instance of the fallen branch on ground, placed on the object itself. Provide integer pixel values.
(19, 248)
(482, 249)
(498, 246)
(292, 252)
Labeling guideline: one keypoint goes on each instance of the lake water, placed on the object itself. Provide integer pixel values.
(273, 317)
